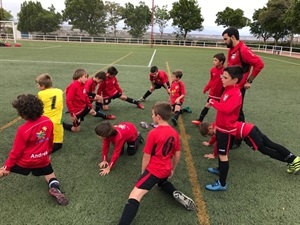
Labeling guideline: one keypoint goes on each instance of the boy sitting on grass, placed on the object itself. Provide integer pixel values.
(32, 145)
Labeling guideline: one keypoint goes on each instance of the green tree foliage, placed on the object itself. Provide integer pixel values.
(5, 15)
(293, 18)
(232, 18)
(33, 18)
(186, 14)
(114, 15)
(137, 19)
(274, 18)
(88, 15)
(161, 18)
(257, 28)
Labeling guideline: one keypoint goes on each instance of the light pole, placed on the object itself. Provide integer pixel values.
(152, 24)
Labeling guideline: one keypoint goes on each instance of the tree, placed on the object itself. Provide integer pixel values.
(274, 18)
(293, 18)
(137, 19)
(186, 14)
(5, 15)
(232, 18)
(33, 18)
(88, 15)
(114, 15)
(161, 18)
(257, 28)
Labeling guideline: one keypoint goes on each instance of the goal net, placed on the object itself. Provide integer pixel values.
(7, 31)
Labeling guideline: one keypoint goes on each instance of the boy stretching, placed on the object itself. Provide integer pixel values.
(161, 156)
(214, 85)
(90, 87)
(33, 145)
(177, 94)
(117, 135)
(227, 114)
(78, 102)
(52, 99)
(257, 140)
(158, 79)
(110, 89)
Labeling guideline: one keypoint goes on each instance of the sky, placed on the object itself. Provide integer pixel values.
(209, 8)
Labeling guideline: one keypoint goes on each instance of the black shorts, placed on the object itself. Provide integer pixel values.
(158, 86)
(173, 106)
(80, 116)
(91, 96)
(107, 101)
(148, 180)
(43, 171)
(224, 141)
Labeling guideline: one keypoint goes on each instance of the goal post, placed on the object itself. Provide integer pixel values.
(8, 31)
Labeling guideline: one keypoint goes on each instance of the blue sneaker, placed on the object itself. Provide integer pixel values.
(213, 170)
(216, 187)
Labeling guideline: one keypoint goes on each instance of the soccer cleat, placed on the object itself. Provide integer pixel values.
(216, 186)
(141, 99)
(187, 202)
(187, 109)
(294, 167)
(110, 117)
(174, 121)
(196, 122)
(213, 170)
(60, 197)
(154, 125)
(144, 125)
(140, 105)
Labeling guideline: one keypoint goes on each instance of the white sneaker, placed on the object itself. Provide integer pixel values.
(187, 202)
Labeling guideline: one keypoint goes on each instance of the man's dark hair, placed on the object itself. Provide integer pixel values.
(221, 57)
(163, 109)
(154, 69)
(101, 75)
(232, 31)
(105, 129)
(112, 70)
(235, 72)
(203, 128)
(28, 106)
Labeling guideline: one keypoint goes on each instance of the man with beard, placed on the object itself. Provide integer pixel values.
(241, 55)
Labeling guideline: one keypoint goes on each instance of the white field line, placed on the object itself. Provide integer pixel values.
(75, 63)
(57, 46)
(152, 58)
(279, 60)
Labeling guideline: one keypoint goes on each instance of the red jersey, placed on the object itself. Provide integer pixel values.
(161, 78)
(109, 87)
(243, 129)
(32, 145)
(77, 98)
(228, 109)
(214, 84)
(162, 143)
(176, 90)
(127, 132)
(248, 57)
(90, 85)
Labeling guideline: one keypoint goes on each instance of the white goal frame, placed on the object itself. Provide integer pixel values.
(5, 37)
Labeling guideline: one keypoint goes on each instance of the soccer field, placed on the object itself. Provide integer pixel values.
(259, 189)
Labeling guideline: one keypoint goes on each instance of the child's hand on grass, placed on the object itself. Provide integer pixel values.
(3, 172)
(103, 164)
(104, 171)
(205, 143)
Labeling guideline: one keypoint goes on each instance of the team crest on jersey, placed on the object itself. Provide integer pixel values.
(225, 97)
(233, 56)
(122, 126)
(41, 136)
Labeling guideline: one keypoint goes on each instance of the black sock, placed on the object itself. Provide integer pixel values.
(167, 187)
(223, 169)
(67, 126)
(99, 106)
(131, 100)
(147, 94)
(53, 183)
(100, 114)
(177, 114)
(203, 113)
(129, 211)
